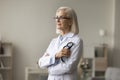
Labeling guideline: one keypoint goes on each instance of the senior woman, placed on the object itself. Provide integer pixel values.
(64, 52)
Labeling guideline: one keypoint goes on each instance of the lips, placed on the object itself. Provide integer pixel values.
(58, 24)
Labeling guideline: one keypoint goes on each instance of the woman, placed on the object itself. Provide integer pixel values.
(64, 52)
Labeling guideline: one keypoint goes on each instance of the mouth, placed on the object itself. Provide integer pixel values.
(58, 24)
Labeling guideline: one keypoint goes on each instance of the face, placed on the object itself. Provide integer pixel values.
(63, 22)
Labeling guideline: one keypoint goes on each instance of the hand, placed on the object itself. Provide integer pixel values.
(63, 53)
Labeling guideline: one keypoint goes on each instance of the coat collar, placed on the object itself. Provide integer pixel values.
(65, 37)
(68, 35)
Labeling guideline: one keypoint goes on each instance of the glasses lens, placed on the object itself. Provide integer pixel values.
(61, 17)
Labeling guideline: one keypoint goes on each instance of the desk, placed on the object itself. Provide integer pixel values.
(32, 73)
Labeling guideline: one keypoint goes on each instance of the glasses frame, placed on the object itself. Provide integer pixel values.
(61, 18)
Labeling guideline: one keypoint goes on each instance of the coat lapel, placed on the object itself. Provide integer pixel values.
(66, 37)
(59, 43)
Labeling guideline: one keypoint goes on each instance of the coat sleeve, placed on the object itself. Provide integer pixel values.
(70, 65)
(46, 61)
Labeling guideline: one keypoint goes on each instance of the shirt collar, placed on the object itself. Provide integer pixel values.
(68, 35)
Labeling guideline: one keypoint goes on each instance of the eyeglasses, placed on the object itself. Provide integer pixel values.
(61, 17)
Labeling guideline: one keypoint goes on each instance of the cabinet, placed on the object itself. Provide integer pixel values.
(100, 60)
(32, 73)
(6, 62)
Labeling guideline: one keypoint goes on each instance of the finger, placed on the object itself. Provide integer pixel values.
(65, 51)
(66, 54)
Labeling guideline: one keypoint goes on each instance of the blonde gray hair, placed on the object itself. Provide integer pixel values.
(71, 13)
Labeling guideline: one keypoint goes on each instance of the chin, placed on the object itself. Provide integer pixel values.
(58, 27)
(58, 31)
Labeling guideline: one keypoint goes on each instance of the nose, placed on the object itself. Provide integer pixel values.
(58, 20)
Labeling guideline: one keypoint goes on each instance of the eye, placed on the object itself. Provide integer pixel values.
(56, 17)
(61, 17)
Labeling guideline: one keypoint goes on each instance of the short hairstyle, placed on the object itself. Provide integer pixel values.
(71, 13)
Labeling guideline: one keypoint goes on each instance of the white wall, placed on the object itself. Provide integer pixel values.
(29, 25)
(116, 55)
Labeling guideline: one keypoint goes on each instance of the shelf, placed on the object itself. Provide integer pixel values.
(5, 56)
(100, 60)
(6, 61)
(89, 70)
(98, 78)
(6, 68)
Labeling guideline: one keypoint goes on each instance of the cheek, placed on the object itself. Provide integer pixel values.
(58, 26)
(66, 24)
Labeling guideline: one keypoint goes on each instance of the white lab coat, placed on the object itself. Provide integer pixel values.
(57, 69)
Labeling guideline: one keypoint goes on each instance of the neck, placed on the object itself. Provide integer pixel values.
(64, 32)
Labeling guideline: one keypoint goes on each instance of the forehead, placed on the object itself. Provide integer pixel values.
(61, 13)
